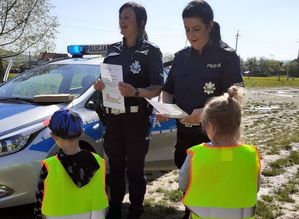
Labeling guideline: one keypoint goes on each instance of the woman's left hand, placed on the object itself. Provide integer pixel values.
(126, 89)
(194, 118)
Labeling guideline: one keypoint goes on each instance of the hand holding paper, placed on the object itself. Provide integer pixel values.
(169, 110)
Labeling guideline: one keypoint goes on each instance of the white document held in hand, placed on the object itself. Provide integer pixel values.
(111, 75)
(168, 109)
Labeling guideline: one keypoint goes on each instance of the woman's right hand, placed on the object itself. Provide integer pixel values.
(99, 85)
(161, 117)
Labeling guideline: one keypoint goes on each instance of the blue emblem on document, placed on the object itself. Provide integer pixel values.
(135, 67)
(209, 88)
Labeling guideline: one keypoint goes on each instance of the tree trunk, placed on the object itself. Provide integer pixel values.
(1, 70)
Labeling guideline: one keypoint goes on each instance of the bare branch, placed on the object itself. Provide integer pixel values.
(25, 24)
(23, 21)
(6, 12)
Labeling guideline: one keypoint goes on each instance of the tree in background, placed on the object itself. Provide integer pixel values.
(292, 68)
(25, 24)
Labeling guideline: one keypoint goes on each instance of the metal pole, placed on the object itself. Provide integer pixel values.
(237, 37)
(5, 78)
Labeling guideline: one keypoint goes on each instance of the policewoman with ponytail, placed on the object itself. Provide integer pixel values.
(126, 140)
(205, 69)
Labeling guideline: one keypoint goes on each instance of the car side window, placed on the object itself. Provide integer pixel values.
(83, 78)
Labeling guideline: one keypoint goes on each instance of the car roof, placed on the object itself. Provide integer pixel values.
(79, 61)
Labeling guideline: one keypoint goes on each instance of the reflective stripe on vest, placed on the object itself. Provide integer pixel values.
(63, 198)
(232, 213)
(88, 215)
(230, 181)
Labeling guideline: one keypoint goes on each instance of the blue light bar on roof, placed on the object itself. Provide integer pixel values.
(75, 50)
(80, 50)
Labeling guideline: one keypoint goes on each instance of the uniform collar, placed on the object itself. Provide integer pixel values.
(207, 48)
(139, 42)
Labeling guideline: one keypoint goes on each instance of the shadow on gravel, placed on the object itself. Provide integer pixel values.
(19, 212)
(156, 212)
(153, 175)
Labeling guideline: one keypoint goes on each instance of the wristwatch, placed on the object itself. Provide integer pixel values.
(136, 93)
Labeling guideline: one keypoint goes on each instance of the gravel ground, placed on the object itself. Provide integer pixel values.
(269, 115)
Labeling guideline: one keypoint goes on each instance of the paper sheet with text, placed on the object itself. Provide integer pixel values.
(111, 75)
(169, 110)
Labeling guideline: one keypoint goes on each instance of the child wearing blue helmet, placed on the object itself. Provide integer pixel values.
(72, 182)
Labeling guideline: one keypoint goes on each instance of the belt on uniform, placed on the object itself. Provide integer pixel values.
(130, 109)
(189, 125)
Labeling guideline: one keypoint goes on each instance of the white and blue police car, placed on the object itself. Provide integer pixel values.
(26, 104)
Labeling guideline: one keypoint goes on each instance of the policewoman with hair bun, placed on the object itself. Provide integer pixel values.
(126, 140)
(205, 69)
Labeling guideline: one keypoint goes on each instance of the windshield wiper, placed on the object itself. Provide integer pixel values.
(17, 100)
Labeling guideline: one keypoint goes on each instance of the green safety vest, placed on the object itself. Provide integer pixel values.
(223, 181)
(63, 199)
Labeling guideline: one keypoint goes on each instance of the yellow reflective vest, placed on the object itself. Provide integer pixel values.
(63, 199)
(223, 181)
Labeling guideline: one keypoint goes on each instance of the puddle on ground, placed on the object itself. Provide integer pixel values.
(262, 109)
(284, 93)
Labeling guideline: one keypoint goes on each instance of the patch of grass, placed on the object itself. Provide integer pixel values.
(277, 166)
(149, 202)
(284, 193)
(267, 198)
(175, 195)
(294, 157)
(172, 195)
(266, 210)
(12, 75)
(272, 172)
(160, 190)
(270, 82)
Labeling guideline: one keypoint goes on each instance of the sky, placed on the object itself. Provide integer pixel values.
(267, 28)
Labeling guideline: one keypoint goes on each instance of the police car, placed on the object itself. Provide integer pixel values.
(26, 104)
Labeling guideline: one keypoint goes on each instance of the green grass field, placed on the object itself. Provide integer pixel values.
(270, 82)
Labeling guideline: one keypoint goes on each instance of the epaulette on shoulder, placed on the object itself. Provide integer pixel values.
(183, 51)
(117, 43)
(152, 44)
(225, 47)
(115, 47)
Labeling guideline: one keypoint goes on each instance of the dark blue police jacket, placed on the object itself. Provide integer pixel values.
(142, 65)
(194, 77)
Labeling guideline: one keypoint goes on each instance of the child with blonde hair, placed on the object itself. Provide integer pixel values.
(221, 178)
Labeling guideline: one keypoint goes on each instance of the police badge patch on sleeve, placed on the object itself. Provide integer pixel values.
(135, 67)
(209, 88)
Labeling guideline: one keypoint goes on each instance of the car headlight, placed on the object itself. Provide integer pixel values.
(13, 144)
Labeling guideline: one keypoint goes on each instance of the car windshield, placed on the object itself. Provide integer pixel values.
(51, 79)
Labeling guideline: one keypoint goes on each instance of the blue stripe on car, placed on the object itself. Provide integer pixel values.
(44, 146)
(96, 134)
(167, 125)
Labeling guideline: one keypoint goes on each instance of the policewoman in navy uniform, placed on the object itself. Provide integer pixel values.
(205, 69)
(126, 139)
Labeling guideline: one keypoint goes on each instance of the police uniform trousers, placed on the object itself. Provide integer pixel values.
(126, 143)
(186, 138)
